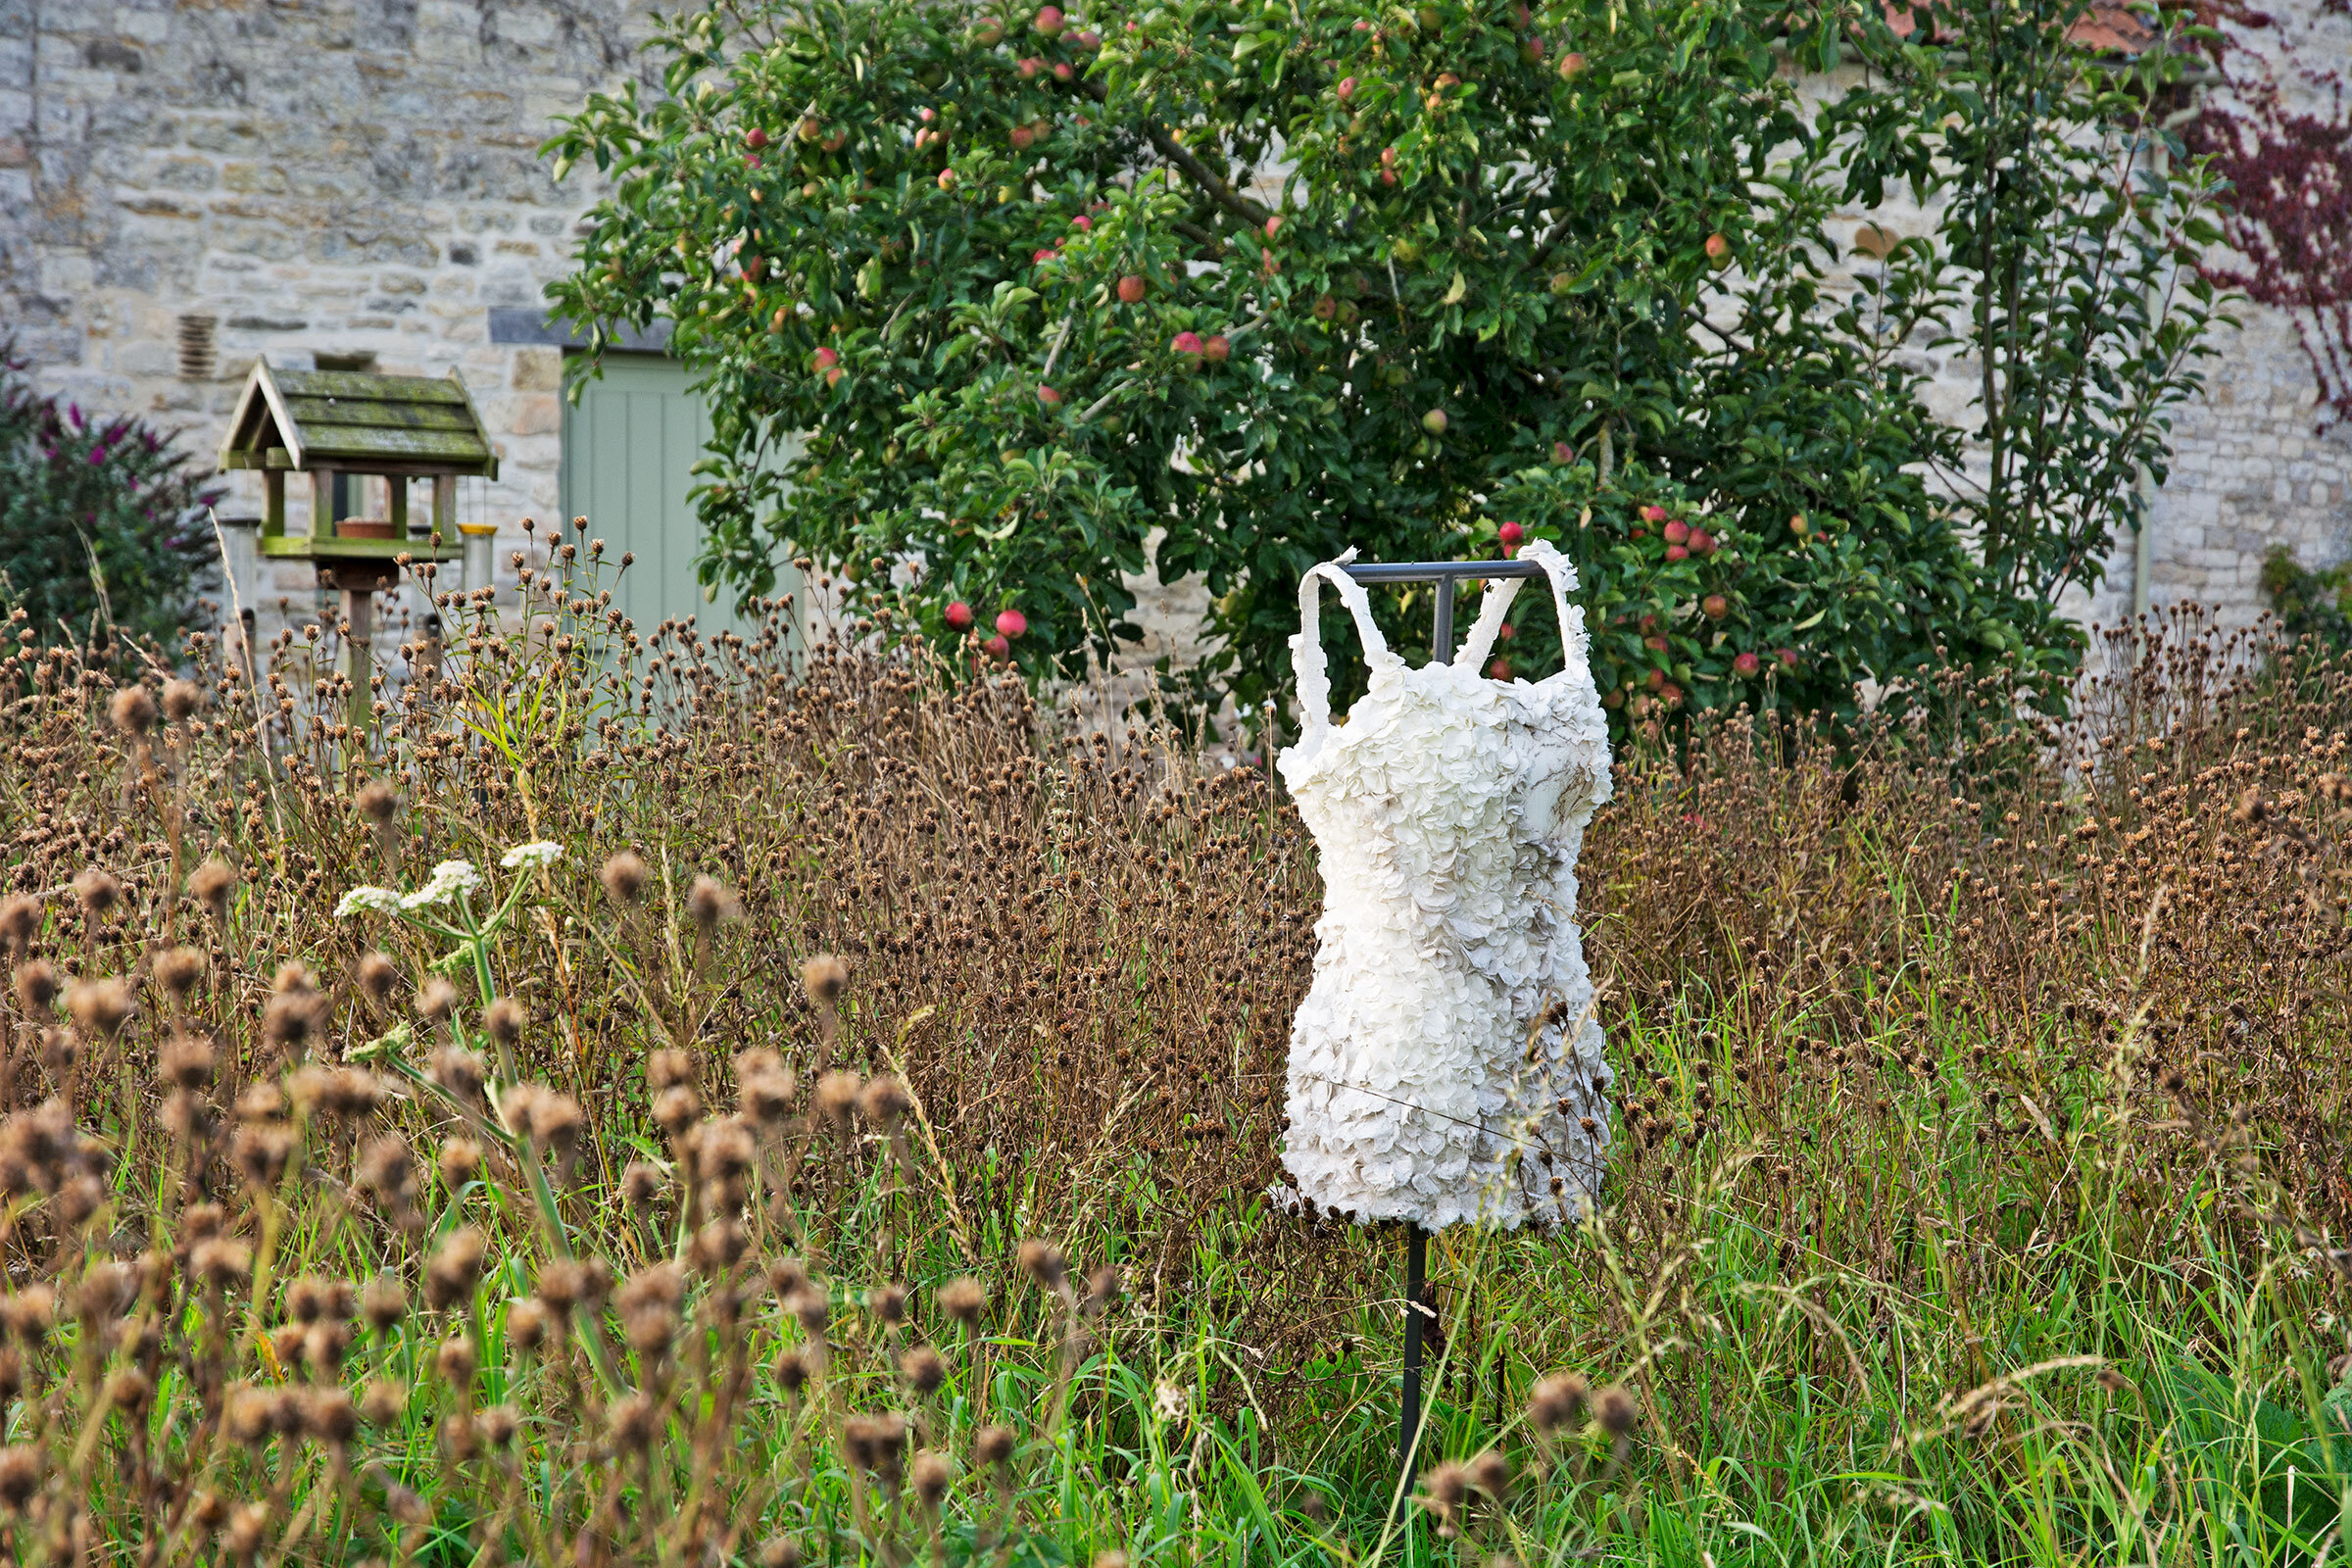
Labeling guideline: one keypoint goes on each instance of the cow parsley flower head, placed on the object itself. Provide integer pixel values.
(450, 878)
(535, 856)
(370, 900)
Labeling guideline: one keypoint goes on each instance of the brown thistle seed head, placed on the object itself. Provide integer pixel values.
(212, 884)
(178, 969)
(779, 1552)
(991, 1446)
(786, 1275)
(883, 1101)
(876, 1442)
(528, 1323)
(132, 709)
(888, 1303)
(709, 901)
(456, 1361)
(503, 1018)
(459, 1162)
(79, 1199)
(623, 877)
(19, 921)
(1616, 1411)
(1490, 1473)
(383, 1303)
(676, 1110)
(182, 699)
(1044, 1264)
(752, 1061)
(248, 1531)
(634, 1421)
(376, 801)
(291, 1018)
(1557, 1402)
(330, 1415)
(323, 1346)
(1102, 1291)
(436, 998)
(923, 1370)
(812, 1310)
(249, 1414)
(963, 1299)
(1110, 1558)
(384, 1402)
(720, 1245)
(36, 985)
(459, 1071)
(207, 1509)
(825, 977)
(386, 1167)
(837, 1096)
(260, 1151)
(564, 1283)
(29, 1313)
(201, 1222)
(308, 1297)
(376, 976)
(20, 1472)
(930, 1475)
(791, 1371)
(451, 1273)
(2251, 808)
(98, 891)
(98, 1007)
(221, 1262)
(765, 1098)
(668, 1068)
(642, 1185)
(496, 1425)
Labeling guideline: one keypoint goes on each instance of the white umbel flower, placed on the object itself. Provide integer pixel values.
(449, 879)
(539, 854)
(1448, 1041)
(368, 901)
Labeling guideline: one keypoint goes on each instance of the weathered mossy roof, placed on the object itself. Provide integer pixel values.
(357, 422)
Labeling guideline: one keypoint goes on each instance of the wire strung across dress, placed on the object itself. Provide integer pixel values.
(1447, 1065)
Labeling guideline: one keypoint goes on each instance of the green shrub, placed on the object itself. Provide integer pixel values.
(101, 520)
(2308, 604)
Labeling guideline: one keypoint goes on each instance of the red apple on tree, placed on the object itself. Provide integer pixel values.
(1434, 421)
(1029, 68)
(946, 179)
(960, 615)
(1048, 21)
(1346, 89)
(1787, 657)
(754, 138)
(1273, 224)
(1500, 669)
(1562, 453)
(1022, 137)
(1676, 532)
(1512, 535)
(1012, 624)
(1063, 70)
(1747, 666)
(824, 359)
(1653, 514)
(1131, 289)
(1216, 350)
(1702, 543)
(1719, 250)
(1715, 607)
(1678, 551)
(998, 646)
(1572, 65)
(1048, 396)
(1086, 39)
(990, 32)
(1188, 345)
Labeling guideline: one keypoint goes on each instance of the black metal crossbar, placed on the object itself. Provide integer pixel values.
(1449, 575)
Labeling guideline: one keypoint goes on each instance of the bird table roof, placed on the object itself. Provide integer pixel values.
(357, 422)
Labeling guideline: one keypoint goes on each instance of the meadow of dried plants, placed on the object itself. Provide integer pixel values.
(626, 1096)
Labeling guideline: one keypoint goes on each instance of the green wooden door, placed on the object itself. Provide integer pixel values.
(629, 446)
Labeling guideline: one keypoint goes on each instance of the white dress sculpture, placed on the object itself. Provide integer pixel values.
(1448, 1043)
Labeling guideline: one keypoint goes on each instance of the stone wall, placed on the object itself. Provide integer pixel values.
(353, 178)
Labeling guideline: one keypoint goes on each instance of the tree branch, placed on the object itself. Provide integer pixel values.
(1198, 172)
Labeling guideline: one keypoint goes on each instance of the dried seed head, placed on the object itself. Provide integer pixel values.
(634, 1422)
(20, 1472)
(709, 901)
(453, 1269)
(36, 985)
(457, 1361)
(1103, 1291)
(1490, 1473)
(791, 1370)
(642, 1185)
(178, 969)
(837, 1096)
(930, 1475)
(963, 1299)
(648, 1305)
(459, 1162)
(1557, 1402)
(876, 1442)
(212, 884)
(923, 1370)
(991, 1446)
(528, 1323)
(883, 1101)
(1443, 1491)
(765, 1098)
(496, 1425)
(387, 1168)
(19, 921)
(292, 1017)
(1044, 1264)
(503, 1018)
(812, 1310)
(308, 1297)
(330, 1415)
(132, 709)
(548, 1118)
(383, 1303)
(779, 1552)
(376, 976)
(668, 1068)
(98, 891)
(564, 1283)
(260, 1151)
(720, 1245)
(182, 699)
(385, 1403)
(376, 801)
(826, 977)
(221, 1262)
(98, 1007)
(459, 1071)
(888, 1303)
(436, 998)
(1616, 1411)
(623, 877)
(1110, 1558)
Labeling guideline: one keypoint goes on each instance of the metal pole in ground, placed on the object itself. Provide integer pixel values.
(1408, 1429)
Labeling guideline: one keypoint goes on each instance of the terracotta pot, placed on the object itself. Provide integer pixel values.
(363, 528)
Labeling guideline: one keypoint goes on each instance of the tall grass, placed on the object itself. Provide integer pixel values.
(843, 1131)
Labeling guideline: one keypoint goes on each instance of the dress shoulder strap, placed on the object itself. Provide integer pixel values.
(1306, 648)
(1496, 605)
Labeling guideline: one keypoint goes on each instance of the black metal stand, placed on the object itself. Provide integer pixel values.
(1408, 1427)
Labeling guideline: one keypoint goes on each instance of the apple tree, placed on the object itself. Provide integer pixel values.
(1268, 278)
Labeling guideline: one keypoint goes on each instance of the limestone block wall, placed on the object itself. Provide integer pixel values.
(355, 180)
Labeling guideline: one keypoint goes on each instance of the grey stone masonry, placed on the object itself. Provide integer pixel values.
(349, 180)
